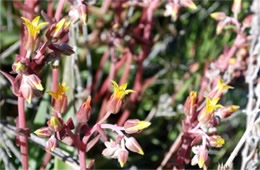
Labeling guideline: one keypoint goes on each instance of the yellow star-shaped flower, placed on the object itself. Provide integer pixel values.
(33, 28)
(62, 88)
(120, 91)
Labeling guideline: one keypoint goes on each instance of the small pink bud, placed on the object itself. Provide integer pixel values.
(133, 145)
(83, 13)
(202, 157)
(236, 7)
(228, 110)
(135, 125)
(122, 157)
(43, 132)
(26, 91)
(33, 81)
(216, 141)
(218, 16)
(247, 21)
(190, 104)
(83, 115)
(172, 9)
(188, 4)
(51, 144)
(220, 27)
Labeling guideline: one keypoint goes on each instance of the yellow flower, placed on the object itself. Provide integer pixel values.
(207, 112)
(221, 86)
(120, 91)
(211, 105)
(216, 141)
(62, 88)
(33, 28)
(220, 141)
(54, 123)
(62, 24)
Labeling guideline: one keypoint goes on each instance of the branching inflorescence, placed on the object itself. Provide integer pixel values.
(47, 42)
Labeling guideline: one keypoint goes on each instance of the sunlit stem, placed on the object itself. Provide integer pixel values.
(23, 139)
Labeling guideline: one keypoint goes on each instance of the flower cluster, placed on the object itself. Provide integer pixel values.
(118, 145)
(27, 67)
(199, 126)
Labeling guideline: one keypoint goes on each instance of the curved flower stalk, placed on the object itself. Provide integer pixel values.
(117, 147)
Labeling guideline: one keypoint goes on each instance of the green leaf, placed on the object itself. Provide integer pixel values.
(59, 164)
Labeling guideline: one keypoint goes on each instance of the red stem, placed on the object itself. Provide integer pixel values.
(59, 10)
(55, 78)
(23, 139)
(47, 158)
(50, 7)
(82, 159)
(21, 101)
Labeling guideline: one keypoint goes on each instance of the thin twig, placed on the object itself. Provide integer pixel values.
(9, 50)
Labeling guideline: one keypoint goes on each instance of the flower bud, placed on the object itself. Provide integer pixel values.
(26, 92)
(51, 144)
(33, 81)
(227, 111)
(203, 157)
(61, 27)
(83, 13)
(190, 104)
(122, 157)
(83, 114)
(188, 4)
(133, 145)
(43, 132)
(220, 27)
(218, 16)
(247, 21)
(200, 157)
(216, 141)
(135, 125)
(54, 123)
(172, 9)
(236, 7)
